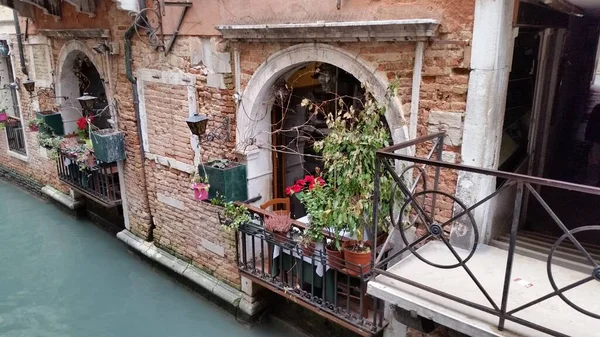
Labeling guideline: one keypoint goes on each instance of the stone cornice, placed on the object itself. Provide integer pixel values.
(385, 30)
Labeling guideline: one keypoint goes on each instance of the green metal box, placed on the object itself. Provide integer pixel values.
(230, 182)
(53, 120)
(109, 145)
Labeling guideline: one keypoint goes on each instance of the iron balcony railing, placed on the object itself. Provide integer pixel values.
(326, 285)
(99, 183)
(430, 210)
(15, 136)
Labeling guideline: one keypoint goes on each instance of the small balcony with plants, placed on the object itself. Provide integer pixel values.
(86, 160)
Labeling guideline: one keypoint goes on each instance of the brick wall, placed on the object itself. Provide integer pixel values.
(159, 199)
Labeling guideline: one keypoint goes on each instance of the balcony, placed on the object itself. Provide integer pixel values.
(521, 283)
(326, 285)
(99, 182)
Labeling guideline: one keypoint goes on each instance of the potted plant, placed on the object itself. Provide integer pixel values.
(233, 216)
(227, 178)
(307, 243)
(3, 116)
(12, 121)
(53, 123)
(200, 186)
(348, 154)
(109, 145)
(34, 124)
(279, 226)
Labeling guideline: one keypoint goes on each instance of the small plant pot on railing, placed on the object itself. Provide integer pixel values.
(200, 191)
(109, 145)
(357, 257)
(53, 122)
(335, 257)
(279, 226)
(227, 179)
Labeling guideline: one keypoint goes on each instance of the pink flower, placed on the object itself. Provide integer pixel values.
(297, 188)
(288, 191)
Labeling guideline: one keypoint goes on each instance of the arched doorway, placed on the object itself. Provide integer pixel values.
(255, 110)
(80, 75)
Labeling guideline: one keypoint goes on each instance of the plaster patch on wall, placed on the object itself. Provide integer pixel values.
(450, 122)
(170, 201)
(172, 163)
(212, 247)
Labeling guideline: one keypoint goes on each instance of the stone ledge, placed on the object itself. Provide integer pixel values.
(61, 197)
(223, 291)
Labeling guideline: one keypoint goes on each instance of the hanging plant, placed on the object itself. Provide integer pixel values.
(200, 186)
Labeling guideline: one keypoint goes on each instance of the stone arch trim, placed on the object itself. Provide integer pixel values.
(257, 89)
(253, 114)
(70, 107)
(78, 46)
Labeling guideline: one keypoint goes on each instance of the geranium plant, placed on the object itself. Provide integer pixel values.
(83, 127)
(305, 184)
(233, 216)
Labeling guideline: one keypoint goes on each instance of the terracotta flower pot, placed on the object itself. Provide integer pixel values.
(355, 260)
(309, 250)
(280, 237)
(381, 239)
(200, 191)
(335, 258)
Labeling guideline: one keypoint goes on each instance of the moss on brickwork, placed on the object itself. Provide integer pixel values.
(28, 183)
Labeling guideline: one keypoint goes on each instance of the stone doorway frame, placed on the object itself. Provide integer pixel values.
(254, 110)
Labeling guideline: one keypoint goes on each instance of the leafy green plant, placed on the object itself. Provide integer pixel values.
(51, 143)
(349, 152)
(234, 216)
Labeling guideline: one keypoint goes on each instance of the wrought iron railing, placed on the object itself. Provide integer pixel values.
(100, 182)
(328, 285)
(16, 137)
(438, 214)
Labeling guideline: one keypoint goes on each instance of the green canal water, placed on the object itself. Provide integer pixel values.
(61, 277)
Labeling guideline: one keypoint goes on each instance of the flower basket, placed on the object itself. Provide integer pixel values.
(200, 191)
(227, 179)
(109, 145)
(279, 226)
(54, 122)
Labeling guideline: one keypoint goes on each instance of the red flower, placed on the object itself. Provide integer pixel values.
(320, 181)
(297, 188)
(288, 190)
(309, 179)
(82, 123)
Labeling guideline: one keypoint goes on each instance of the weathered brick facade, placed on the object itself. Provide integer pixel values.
(160, 201)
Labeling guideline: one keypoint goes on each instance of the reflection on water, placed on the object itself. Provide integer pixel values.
(63, 277)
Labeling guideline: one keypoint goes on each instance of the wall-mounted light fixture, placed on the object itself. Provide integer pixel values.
(87, 102)
(29, 85)
(197, 124)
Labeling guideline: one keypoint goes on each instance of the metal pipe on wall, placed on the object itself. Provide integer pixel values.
(20, 44)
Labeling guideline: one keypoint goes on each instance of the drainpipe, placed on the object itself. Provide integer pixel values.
(136, 103)
(20, 44)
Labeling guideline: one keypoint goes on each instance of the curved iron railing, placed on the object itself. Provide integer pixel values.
(325, 284)
(421, 205)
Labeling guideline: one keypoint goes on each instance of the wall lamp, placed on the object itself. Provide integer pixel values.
(87, 102)
(197, 124)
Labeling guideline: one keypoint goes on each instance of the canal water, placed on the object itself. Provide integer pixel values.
(62, 277)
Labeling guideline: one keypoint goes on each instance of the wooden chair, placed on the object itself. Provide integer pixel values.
(280, 205)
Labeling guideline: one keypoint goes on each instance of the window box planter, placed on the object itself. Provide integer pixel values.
(229, 181)
(109, 145)
(54, 122)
